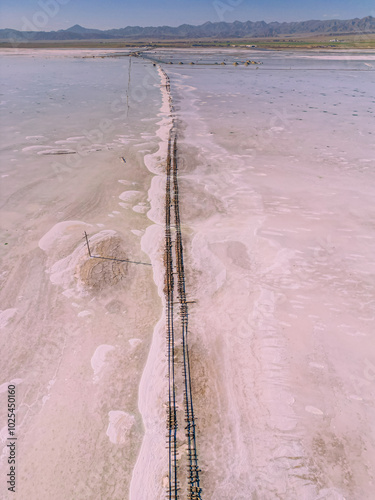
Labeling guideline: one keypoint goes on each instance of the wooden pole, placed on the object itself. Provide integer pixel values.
(87, 243)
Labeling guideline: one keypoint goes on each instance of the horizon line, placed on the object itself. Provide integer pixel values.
(186, 24)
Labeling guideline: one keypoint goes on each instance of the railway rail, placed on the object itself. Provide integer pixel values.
(177, 335)
(194, 490)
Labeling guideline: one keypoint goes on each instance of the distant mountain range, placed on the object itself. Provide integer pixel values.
(219, 30)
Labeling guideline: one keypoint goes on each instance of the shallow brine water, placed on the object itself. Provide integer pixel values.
(277, 173)
(277, 176)
(75, 331)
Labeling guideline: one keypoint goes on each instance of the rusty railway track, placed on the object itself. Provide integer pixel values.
(168, 290)
(175, 251)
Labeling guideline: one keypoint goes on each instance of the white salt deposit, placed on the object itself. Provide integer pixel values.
(6, 316)
(34, 148)
(134, 343)
(313, 410)
(137, 232)
(83, 314)
(60, 231)
(119, 427)
(141, 209)
(15, 381)
(98, 359)
(129, 195)
(34, 137)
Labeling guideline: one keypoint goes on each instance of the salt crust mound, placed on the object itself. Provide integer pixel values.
(77, 267)
(97, 274)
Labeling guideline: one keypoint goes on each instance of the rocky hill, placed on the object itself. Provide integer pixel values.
(219, 30)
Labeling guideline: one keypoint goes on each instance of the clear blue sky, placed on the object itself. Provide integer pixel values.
(48, 15)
